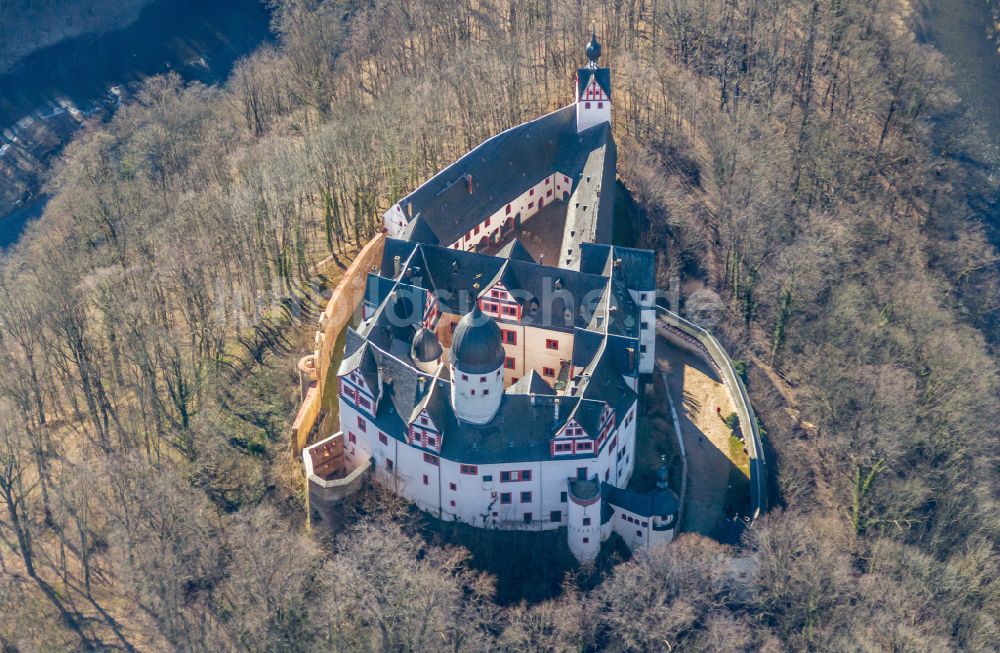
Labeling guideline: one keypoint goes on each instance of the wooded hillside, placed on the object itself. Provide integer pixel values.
(805, 160)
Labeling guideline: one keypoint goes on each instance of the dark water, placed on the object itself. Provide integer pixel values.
(200, 39)
(963, 31)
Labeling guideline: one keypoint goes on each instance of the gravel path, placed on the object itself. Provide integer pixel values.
(698, 393)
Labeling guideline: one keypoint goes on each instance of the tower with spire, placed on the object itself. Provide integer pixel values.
(593, 89)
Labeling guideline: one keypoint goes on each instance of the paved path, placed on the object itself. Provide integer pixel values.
(698, 392)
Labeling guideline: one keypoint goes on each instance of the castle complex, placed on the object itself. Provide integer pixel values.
(494, 383)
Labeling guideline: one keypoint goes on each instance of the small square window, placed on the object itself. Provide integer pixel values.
(562, 497)
(642, 349)
(555, 515)
(586, 540)
(465, 377)
(427, 481)
(362, 424)
(482, 379)
(505, 498)
(382, 438)
(551, 344)
(487, 478)
(452, 487)
(452, 503)
(527, 518)
(638, 533)
(548, 371)
(508, 362)
(526, 497)
(472, 392)
(586, 521)
(353, 439)
(586, 105)
(600, 105)
(485, 392)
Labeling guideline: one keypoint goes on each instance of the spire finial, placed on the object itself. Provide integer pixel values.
(593, 48)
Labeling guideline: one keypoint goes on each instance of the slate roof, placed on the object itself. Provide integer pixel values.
(460, 277)
(515, 250)
(590, 214)
(584, 75)
(637, 269)
(658, 503)
(500, 169)
(532, 382)
(476, 345)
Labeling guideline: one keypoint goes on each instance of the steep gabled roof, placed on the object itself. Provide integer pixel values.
(515, 250)
(498, 170)
(637, 267)
(530, 383)
(585, 75)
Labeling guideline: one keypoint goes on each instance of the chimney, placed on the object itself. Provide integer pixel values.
(395, 266)
(421, 382)
(555, 407)
(409, 210)
(532, 395)
(618, 263)
(468, 178)
(631, 358)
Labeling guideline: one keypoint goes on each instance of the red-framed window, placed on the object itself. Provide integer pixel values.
(551, 344)
(471, 470)
(563, 447)
(548, 371)
(353, 439)
(531, 205)
(531, 192)
(509, 363)
(509, 310)
(509, 337)
(516, 475)
(431, 440)
(549, 193)
(507, 210)
(362, 424)
(548, 180)
(476, 230)
(586, 105)
(504, 498)
(432, 459)
(584, 446)
(383, 439)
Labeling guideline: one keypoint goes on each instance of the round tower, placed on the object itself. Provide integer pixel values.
(425, 350)
(583, 519)
(476, 368)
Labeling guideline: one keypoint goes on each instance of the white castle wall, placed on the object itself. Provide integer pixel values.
(646, 300)
(476, 397)
(475, 498)
(584, 529)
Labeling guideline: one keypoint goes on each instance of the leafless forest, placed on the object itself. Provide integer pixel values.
(805, 159)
